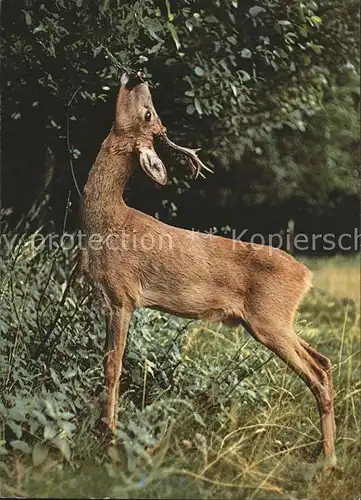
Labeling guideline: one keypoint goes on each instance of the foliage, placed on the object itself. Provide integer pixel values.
(203, 412)
(314, 167)
(243, 80)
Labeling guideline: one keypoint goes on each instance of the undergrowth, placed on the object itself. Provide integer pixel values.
(205, 411)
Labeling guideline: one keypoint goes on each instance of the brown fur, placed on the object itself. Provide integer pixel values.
(185, 273)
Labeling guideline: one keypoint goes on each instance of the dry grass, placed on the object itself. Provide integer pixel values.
(338, 276)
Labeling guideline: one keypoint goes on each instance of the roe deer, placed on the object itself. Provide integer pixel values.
(181, 272)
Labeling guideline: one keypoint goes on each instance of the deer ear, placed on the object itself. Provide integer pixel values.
(153, 166)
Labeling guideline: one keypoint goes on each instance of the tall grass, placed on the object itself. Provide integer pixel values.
(205, 411)
(339, 276)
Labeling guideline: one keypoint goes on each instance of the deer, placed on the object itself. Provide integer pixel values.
(196, 275)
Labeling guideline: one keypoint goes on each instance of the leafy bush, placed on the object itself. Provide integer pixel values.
(186, 388)
(248, 82)
(52, 356)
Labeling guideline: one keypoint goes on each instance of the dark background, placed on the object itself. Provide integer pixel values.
(270, 91)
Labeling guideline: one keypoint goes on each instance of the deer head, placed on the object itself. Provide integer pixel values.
(139, 124)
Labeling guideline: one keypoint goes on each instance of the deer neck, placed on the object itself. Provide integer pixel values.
(104, 190)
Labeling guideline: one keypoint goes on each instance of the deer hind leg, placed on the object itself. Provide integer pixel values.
(327, 366)
(117, 327)
(315, 373)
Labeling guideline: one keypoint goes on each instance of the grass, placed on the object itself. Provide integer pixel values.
(339, 276)
(253, 433)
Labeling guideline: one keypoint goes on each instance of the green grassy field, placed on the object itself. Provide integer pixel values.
(206, 412)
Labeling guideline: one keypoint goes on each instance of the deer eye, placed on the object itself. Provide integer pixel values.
(147, 116)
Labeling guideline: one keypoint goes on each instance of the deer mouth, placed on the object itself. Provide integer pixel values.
(180, 153)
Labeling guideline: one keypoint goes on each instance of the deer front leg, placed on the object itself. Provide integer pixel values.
(117, 328)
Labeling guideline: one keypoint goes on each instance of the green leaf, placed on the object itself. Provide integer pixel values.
(66, 415)
(246, 53)
(63, 447)
(234, 89)
(190, 109)
(53, 374)
(28, 19)
(50, 409)
(50, 431)
(198, 106)
(17, 430)
(316, 20)
(199, 419)
(153, 26)
(173, 32)
(105, 5)
(303, 29)
(155, 48)
(169, 13)
(245, 76)
(40, 417)
(76, 153)
(3, 451)
(316, 48)
(97, 50)
(189, 25)
(40, 453)
(21, 445)
(113, 453)
(257, 9)
(199, 71)
(34, 426)
(67, 427)
(16, 414)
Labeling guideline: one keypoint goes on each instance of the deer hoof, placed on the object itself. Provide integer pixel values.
(331, 467)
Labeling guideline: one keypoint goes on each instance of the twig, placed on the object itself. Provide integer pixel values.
(58, 312)
(68, 140)
(180, 331)
(248, 374)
